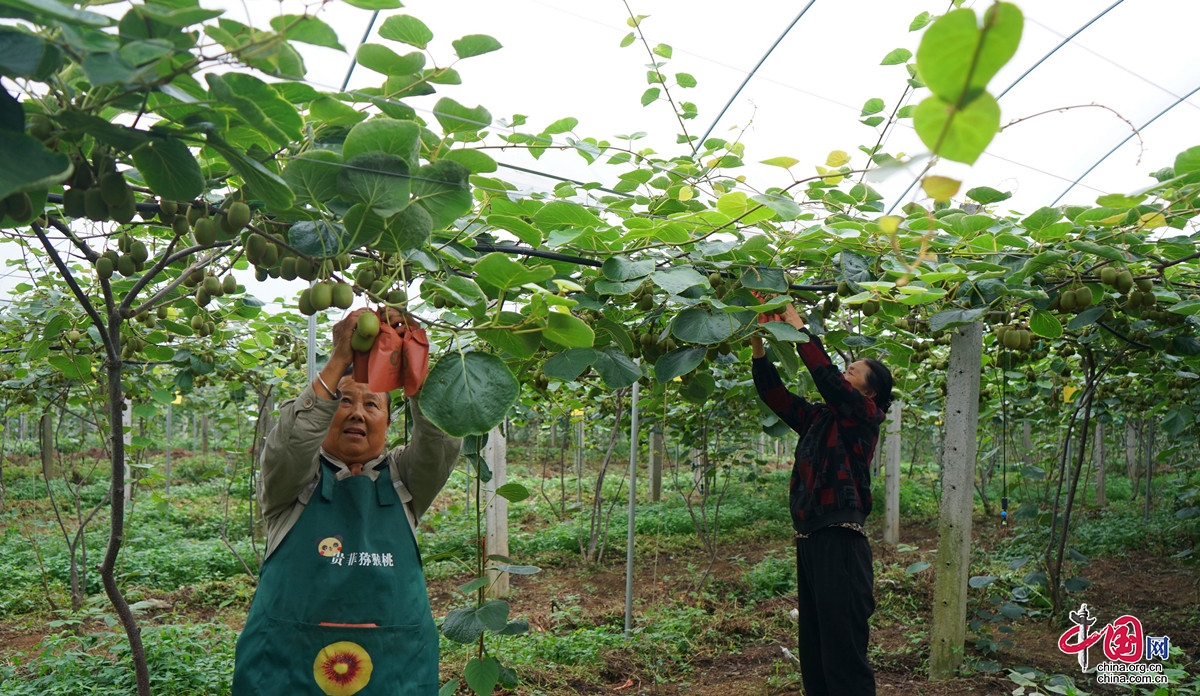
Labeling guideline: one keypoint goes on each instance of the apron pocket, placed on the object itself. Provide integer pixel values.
(339, 660)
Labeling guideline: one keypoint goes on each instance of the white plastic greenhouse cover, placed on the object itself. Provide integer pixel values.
(1123, 65)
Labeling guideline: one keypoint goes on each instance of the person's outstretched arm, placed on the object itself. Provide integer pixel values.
(793, 409)
(839, 394)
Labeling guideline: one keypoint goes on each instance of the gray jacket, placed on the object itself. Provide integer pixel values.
(291, 463)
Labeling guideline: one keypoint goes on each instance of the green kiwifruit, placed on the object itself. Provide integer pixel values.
(261, 274)
(305, 269)
(126, 265)
(124, 211)
(287, 268)
(205, 231)
(180, 226)
(397, 296)
(1108, 276)
(321, 296)
(238, 216)
(212, 285)
(104, 267)
(256, 245)
(138, 251)
(114, 189)
(74, 203)
(304, 304)
(229, 284)
(342, 297)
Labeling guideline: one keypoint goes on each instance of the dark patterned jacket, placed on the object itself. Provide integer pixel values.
(831, 478)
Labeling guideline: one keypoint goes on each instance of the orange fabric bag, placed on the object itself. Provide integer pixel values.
(399, 359)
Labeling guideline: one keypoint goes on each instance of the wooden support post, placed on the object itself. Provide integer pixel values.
(891, 508)
(658, 451)
(1098, 459)
(495, 453)
(958, 496)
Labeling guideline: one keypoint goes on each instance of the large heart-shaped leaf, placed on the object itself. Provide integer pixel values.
(622, 268)
(502, 272)
(703, 326)
(388, 135)
(678, 362)
(616, 369)
(409, 229)
(677, 280)
(482, 675)
(959, 134)
(441, 188)
(313, 176)
(569, 364)
(518, 344)
(406, 29)
(468, 393)
(262, 182)
(568, 330)
(169, 169)
(26, 163)
(456, 118)
(318, 238)
(384, 60)
(377, 179)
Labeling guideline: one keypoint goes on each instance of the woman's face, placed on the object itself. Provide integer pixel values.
(858, 375)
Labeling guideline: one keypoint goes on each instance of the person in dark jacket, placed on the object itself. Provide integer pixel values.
(830, 499)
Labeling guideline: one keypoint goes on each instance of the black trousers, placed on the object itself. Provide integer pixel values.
(836, 597)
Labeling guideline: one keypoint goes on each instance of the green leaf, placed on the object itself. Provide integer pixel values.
(45, 9)
(441, 188)
(482, 675)
(475, 161)
(468, 394)
(1187, 161)
(1086, 317)
(407, 30)
(523, 230)
(263, 182)
(319, 239)
(456, 118)
(616, 369)
(361, 226)
(986, 196)
(562, 214)
(568, 330)
(501, 271)
(387, 135)
(897, 56)
(513, 493)
(678, 362)
(377, 179)
(569, 364)
(408, 229)
(980, 581)
(25, 164)
(785, 162)
(703, 326)
(762, 278)
(259, 105)
(685, 80)
(677, 280)
(375, 4)
(385, 61)
(872, 106)
(1045, 324)
(785, 332)
(462, 626)
(20, 53)
(170, 169)
(451, 687)
(475, 45)
(519, 345)
(950, 318)
(313, 176)
(79, 367)
(622, 268)
(306, 29)
(333, 112)
(650, 96)
(917, 567)
(956, 59)
(957, 134)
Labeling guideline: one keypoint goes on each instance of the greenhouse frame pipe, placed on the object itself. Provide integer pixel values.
(700, 142)
(1124, 140)
(1025, 74)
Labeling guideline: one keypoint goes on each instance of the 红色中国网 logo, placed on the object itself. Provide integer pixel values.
(1129, 650)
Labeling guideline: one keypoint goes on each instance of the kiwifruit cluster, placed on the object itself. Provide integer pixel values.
(1016, 338)
(98, 191)
(127, 259)
(209, 287)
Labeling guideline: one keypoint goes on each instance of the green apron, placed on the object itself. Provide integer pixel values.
(342, 607)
